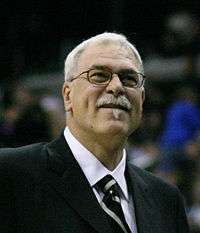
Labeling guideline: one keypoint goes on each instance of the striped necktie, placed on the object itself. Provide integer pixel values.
(111, 204)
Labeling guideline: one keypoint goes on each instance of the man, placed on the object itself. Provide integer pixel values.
(81, 182)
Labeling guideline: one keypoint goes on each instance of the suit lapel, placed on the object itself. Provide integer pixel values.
(66, 177)
(148, 216)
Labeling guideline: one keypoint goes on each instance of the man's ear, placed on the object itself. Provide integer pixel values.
(66, 90)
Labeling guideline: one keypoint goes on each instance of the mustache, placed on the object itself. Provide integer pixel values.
(110, 99)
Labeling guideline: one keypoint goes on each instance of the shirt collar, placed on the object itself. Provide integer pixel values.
(90, 164)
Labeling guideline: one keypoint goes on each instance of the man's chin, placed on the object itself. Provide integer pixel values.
(114, 127)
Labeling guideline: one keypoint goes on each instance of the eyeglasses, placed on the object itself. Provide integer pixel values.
(102, 77)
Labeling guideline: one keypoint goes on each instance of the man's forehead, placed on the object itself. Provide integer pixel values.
(107, 52)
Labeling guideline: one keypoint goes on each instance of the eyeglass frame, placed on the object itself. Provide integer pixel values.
(111, 76)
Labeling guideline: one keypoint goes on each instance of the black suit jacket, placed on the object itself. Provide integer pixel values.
(43, 190)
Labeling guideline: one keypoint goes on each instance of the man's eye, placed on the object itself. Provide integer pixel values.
(99, 76)
(130, 79)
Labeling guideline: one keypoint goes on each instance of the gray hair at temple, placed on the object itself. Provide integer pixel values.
(72, 58)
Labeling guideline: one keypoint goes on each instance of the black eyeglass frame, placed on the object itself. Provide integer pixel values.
(111, 76)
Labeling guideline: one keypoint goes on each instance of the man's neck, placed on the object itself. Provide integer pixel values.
(108, 152)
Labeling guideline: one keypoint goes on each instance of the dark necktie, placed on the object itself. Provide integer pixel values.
(111, 203)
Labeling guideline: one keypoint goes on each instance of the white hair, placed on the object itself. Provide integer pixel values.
(72, 58)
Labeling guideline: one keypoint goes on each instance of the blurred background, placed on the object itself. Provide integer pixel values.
(36, 36)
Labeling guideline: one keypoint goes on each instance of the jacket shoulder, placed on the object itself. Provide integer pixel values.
(22, 158)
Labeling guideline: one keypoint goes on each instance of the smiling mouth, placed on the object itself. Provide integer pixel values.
(114, 106)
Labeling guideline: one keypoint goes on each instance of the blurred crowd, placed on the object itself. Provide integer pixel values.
(168, 140)
(28, 117)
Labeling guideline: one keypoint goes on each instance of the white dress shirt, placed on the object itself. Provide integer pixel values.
(90, 165)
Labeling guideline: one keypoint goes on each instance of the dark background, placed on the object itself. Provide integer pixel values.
(33, 32)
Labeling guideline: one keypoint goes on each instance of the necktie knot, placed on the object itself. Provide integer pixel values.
(108, 184)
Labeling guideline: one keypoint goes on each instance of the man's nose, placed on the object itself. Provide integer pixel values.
(115, 86)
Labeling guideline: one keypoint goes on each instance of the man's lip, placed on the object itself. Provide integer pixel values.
(114, 106)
